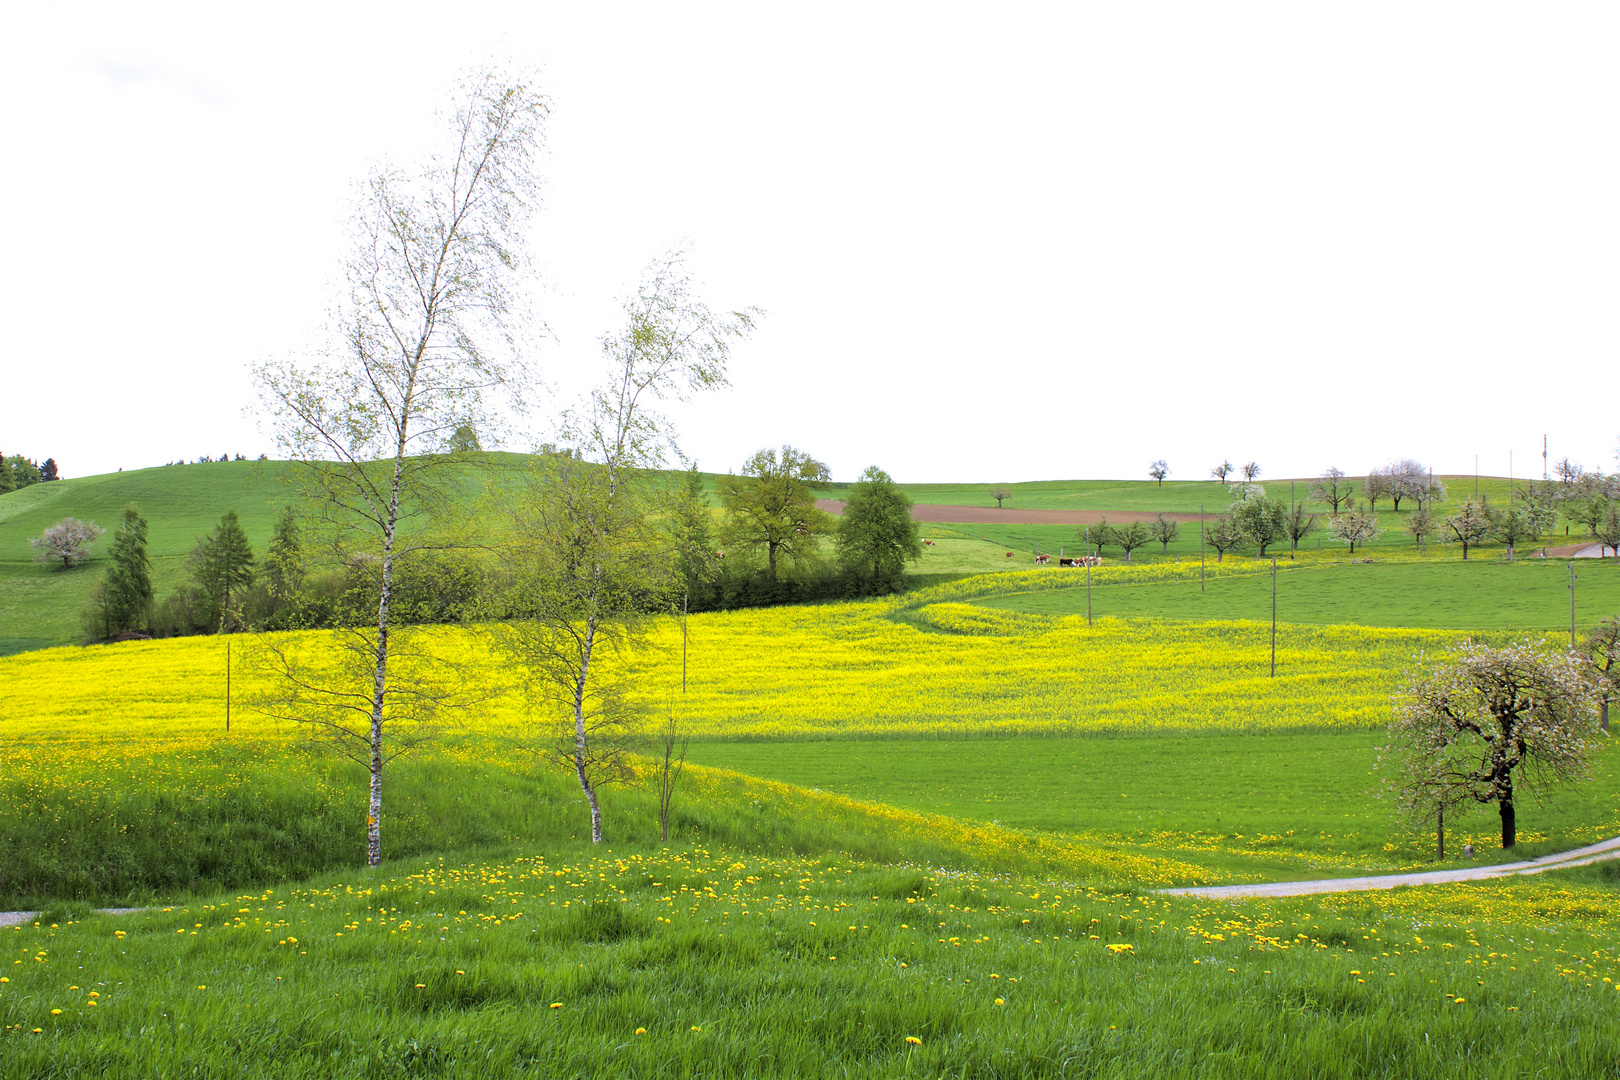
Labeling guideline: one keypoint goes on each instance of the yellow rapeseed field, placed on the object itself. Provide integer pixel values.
(870, 669)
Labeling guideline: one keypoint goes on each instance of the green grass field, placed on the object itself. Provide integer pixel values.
(699, 961)
(1530, 595)
(1288, 806)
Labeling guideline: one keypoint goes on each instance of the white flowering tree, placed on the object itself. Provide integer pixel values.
(1490, 724)
(1354, 527)
(67, 542)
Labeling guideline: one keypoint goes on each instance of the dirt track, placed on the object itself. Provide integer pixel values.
(990, 515)
(1599, 852)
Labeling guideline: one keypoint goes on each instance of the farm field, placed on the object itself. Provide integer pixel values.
(1529, 595)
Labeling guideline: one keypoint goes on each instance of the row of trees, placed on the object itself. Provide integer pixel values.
(17, 471)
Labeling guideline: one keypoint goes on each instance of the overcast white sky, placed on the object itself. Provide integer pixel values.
(995, 242)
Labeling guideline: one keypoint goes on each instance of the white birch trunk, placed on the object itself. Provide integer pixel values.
(581, 745)
(379, 684)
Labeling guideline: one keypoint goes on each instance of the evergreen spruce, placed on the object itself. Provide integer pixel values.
(127, 593)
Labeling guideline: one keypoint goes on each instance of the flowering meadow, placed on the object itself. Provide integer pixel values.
(698, 960)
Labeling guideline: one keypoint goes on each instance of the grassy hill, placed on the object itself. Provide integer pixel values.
(41, 607)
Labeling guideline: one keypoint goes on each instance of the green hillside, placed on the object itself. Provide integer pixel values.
(40, 607)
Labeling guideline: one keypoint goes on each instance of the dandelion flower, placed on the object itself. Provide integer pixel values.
(556, 1004)
(421, 986)
(641, 1031)
(202, 987)
(999, 1001)
(696, 1028)
(912, 1040)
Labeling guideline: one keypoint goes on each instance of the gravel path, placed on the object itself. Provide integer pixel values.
(21, 918)
(1608, 849)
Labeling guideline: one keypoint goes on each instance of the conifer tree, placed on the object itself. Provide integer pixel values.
(127, 593)
(222, 568)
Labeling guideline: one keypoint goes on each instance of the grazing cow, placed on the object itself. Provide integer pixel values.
(1043, 559)
(928, 543)
(1009, 554)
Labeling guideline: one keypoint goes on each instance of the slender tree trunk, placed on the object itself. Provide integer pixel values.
(581, 744)
(379, 679)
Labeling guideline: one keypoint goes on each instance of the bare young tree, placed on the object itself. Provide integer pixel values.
(68, 541)
(587, 569)
(1512, 528)
(1608, 531)
(1355, 526)
(1297, 524)
(1158, 471)
(1332, 488)
(1163, 530)
(674, 742)
(1223, 535)
(1375, 487)
(1470, 526)
(1251, 471)
(1128, 537)
(424, 331)
(1601, 650)
(1000, 492)
(1222, 471)
(1490, 723)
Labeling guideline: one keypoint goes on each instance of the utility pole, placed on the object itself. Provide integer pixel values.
(1273, 618)
(1088, 575)
(1572, 603)
(1201, 546)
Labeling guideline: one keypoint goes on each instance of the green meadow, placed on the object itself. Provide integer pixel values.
(1531, 595)
(984, 907)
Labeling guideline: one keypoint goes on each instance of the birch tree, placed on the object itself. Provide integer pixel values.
(426, 336)
(589, 560)
(1490, 724)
